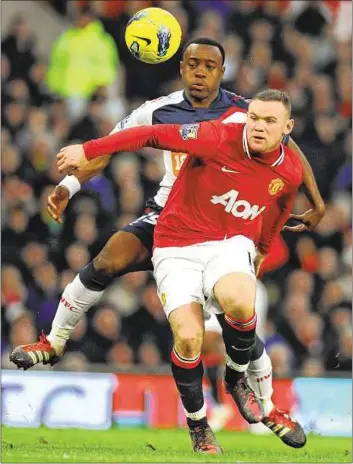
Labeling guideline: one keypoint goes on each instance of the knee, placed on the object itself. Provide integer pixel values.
(94, 279)
(107, 263)
(188, 341)
(236, 295)
(237, 306)
(120, 252)
(104, 262)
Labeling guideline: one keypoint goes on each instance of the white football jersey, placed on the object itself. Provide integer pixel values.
(172, 161)
(176, 109)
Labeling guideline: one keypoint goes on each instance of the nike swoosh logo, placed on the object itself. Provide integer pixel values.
(148, 41)
(225, 169)
(239, 349)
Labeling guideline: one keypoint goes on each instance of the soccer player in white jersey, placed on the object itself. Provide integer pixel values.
(130, 249)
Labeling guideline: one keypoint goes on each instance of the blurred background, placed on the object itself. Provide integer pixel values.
(50, 99)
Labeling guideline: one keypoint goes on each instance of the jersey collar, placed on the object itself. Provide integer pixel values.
(278, 160)
(214, 103)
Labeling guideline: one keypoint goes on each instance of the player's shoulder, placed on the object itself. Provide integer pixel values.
(231, 132)
(235, 100)
(236, 108)
(144, 114)
(171, 99)
(293, 166)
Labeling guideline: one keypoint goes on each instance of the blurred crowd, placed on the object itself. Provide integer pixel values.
(301, 47)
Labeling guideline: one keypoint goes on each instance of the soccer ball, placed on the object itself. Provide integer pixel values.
(153, 35)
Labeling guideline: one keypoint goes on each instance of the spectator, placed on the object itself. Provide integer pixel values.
(281, 357)
(102, 334)
(83, 59)
(77, 256)
(43, 295)
(148, 355)
(121, 355)
(18, 47)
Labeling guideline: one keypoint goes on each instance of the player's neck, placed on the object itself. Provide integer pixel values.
(205, 103)
(267, 157)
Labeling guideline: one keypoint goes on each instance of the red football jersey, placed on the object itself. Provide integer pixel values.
(222, 190)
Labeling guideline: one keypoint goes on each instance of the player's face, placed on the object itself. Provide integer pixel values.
(267, 122)
(201, 72)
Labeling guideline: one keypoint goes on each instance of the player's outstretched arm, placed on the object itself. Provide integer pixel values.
(60, 196)
(71, 184)
(312, 217)
(200, 140)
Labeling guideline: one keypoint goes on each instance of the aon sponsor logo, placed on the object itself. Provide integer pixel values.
(239, 208)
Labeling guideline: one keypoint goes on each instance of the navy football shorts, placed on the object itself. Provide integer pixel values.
(143, 227)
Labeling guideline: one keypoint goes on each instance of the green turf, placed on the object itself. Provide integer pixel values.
(140, 445)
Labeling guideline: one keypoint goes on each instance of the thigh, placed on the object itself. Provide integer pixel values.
(124, 252)
(235, 292)
(143, 228)
(178, 276)
(129, 249)
(232, 256)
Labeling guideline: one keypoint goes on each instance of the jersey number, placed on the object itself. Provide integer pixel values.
(177, 161)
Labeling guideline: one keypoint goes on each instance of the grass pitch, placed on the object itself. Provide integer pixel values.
(143, 445)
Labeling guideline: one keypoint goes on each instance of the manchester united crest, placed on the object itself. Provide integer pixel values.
(275, 186)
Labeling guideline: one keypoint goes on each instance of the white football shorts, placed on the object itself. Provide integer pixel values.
(187, 274)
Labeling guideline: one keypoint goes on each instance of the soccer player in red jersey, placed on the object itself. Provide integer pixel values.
(130, 248)
(214, 212)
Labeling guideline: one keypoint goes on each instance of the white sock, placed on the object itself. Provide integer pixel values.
(260, 377)
(198, 415)
(74, 302)
(233, 365)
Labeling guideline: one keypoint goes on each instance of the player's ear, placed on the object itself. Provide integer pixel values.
(288, 127)
(181, 69)
(223, 70)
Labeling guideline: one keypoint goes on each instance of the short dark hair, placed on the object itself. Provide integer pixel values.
(205, 41)
(275, 95)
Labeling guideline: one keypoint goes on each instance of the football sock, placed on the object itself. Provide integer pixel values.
(188, 375)
(95, 280)
(260, 377)
(258, 349)
(74, 302)
(239, 340)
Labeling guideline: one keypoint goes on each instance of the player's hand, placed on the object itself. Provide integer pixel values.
(57, 203)
(70, 158)
(259, 259)
(309, 220)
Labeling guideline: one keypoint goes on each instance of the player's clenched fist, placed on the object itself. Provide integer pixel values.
(57, 202)
(70, 158)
